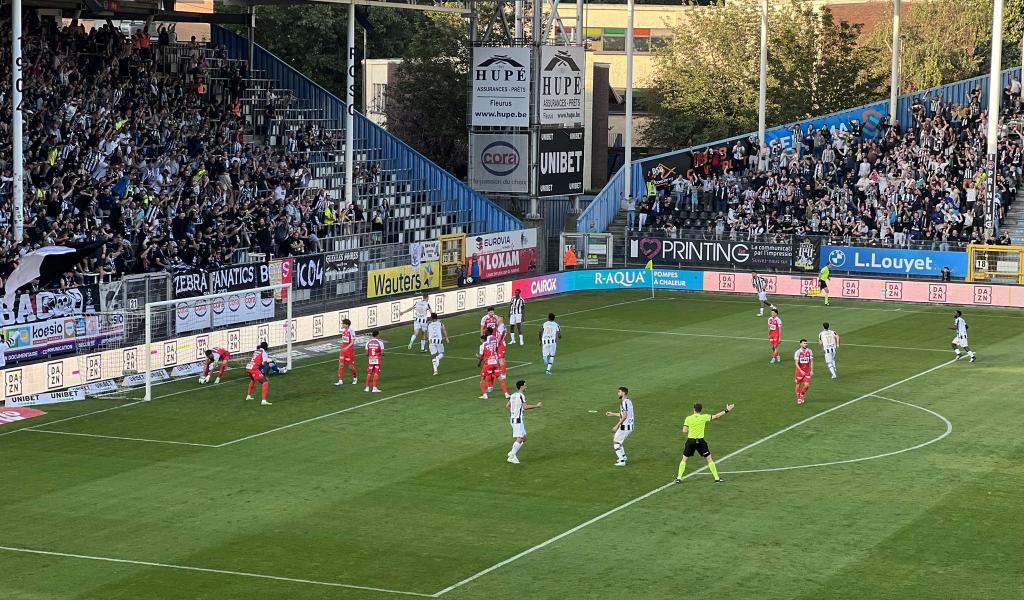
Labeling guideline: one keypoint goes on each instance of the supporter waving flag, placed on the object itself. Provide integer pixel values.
(46, 264)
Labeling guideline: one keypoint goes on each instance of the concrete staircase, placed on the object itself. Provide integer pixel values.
(1014, 221)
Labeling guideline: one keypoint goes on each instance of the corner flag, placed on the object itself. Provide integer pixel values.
(650, 265)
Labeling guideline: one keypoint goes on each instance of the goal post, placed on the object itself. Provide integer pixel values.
(178, 332)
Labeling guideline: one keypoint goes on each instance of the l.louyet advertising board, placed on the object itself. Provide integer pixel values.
(561, 162)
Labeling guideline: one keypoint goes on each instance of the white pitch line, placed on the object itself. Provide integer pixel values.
(95, 412)
(897, 306)
(949, 430)
(739, 337)
(626, 505)
(568, 314)
(117, 437)
(214, 571)
(351, 408)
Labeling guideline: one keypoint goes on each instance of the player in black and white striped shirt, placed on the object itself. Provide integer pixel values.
(624, 427)
(515, 316)
(761, 287)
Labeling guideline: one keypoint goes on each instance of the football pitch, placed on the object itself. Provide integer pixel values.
(901, 479)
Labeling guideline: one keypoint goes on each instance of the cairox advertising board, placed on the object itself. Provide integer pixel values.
(893, 261)
(499, 163)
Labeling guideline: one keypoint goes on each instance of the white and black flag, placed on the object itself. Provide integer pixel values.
(47, 265)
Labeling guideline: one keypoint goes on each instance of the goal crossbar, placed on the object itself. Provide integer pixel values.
(283, 288)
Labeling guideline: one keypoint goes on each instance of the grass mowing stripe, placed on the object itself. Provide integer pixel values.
(351, 408)
(117, 437)
(208, 570)
(740, 337)
(949, 430)
(626, 505)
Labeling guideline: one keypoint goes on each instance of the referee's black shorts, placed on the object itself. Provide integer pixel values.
(822, 284)
(697, 445)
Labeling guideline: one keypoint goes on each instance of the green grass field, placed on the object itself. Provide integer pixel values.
(327, 495)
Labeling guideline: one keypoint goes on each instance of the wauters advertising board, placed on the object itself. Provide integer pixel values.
(499, 254)
(561, 85)
(499, 163)
(501, 87)
(405, 279)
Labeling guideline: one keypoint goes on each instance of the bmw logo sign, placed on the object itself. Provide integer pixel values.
(837, 257)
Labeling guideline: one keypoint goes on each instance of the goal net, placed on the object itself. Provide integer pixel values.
(177, 333)
(105, 354)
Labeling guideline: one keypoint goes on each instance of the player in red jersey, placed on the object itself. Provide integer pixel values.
(804, 359)
(374, 357)
(775, 335)
(487, 359)
(489, 321)
(347, 354)
(255, 374)
(217, 355)
(500, 335)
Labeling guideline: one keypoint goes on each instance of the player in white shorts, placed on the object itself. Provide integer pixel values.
(515, 316)
(550, 333)
(516, 406)
(422, 312)
(438, 335)
(960, 341)
(761, 287)
(624, 427)
(829, 341)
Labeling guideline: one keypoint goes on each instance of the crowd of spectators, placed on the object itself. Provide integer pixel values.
(151, 161)
(923, 183)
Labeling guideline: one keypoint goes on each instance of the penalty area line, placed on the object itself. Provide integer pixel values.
(144, 563)
(666, 486)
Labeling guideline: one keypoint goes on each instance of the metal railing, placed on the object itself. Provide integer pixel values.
(606, 205)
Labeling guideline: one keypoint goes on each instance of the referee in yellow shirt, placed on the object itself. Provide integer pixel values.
(693, 427)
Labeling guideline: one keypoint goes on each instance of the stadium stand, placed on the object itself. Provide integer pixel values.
(175, 155)
(913, 184)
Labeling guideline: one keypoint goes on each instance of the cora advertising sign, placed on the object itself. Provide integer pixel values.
(499, 163)
(893, 261)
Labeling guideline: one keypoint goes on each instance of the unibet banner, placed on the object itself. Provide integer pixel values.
(561, 162)
(403, 280)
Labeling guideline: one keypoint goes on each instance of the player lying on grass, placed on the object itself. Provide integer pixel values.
(219, 356)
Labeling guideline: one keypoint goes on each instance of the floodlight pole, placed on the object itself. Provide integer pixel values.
(628, 137)
(519, 22)
(252, 37)
(762, 94)
(17, 125)
(894, 71)
(579, 24)
(350, 107)
(995, 92)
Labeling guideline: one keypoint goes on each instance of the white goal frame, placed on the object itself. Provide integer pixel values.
(287, 296)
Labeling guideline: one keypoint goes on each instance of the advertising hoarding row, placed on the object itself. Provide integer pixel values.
(501, 254)
(801, 254)
(51, 323)
(893, 261)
